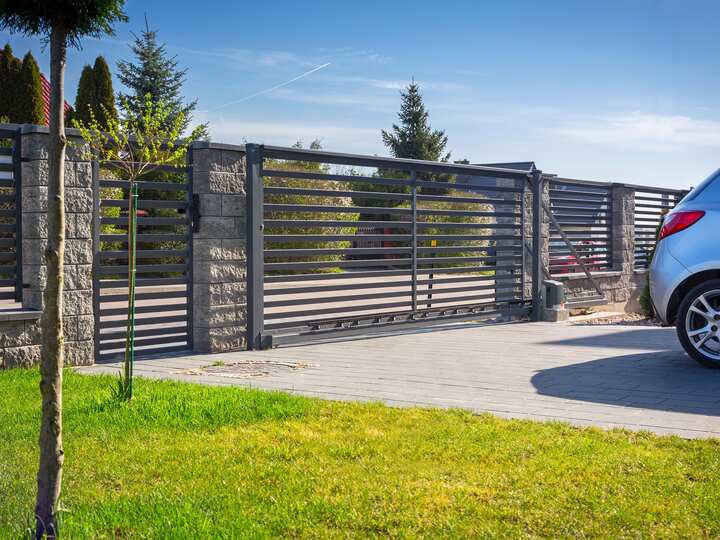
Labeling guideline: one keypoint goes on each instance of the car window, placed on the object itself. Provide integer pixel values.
(708, 190)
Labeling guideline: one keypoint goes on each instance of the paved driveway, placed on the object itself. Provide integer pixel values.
(608, 376)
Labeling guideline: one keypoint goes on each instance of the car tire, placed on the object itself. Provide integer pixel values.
(705, 358)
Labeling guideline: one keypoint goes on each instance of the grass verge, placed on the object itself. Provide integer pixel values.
(189, 461)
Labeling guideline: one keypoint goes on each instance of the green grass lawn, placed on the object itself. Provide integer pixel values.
(186, 461)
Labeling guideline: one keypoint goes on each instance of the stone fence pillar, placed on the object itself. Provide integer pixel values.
(219, 262)
(623, 239)
(79, 322)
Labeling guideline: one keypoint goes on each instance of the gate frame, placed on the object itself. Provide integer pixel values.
(257, 339)
(191, 221)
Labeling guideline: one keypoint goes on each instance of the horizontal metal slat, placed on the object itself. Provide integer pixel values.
(140, 296)
(121, 323)
(142, 269)
(143, 203)
(160, 308)
(145, 254)
(143, 282)
(109, 345)
(142, 184)
(144, 221)
(144, 238)
(335, 310)
(148, 332)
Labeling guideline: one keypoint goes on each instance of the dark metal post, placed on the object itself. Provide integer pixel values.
(96, 254)
(255, 246)
(190, 216)
(17, 182)
(413, 187)
(523, 240)
(537, 224)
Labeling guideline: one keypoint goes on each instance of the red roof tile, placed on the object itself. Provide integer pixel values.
(46, 98)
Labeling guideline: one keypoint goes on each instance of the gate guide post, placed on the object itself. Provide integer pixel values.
(255, 247)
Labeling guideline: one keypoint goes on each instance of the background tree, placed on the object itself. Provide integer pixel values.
(31, 106)
(61, 22)
(85, 97)
(414, 138)
(95, 96)
(156, 74)
(10, 67)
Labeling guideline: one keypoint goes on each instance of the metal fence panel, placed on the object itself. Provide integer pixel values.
(10, 215)
(164, 261)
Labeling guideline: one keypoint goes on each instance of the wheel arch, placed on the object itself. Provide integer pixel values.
(685, 287)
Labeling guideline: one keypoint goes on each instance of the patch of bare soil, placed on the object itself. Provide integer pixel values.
(247, 369)
(625, 319)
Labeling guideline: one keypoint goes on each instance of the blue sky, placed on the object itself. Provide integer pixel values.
(616, 90)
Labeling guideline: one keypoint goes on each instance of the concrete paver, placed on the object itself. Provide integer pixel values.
(608, 376)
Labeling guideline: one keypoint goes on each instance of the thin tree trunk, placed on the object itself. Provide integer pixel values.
(49, 476)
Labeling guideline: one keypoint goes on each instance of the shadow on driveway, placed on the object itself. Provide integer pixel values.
(661, 377)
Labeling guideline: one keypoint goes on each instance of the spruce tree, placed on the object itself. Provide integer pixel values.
(85, 98)
(31, 109)
(414, 138)
(156, 74)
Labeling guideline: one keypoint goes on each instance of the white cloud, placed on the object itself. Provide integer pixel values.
(643, 131)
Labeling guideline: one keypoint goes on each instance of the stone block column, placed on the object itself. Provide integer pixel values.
(79, 321)
(219, 262)
(623, 239)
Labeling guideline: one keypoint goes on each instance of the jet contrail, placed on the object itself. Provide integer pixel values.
(267, 90)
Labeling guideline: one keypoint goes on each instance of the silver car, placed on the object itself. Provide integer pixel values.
(685, 272)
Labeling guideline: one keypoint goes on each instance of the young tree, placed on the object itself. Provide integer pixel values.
(137, 147)
(156, 74)
(30, 104)
(61, 22)
(95, 94)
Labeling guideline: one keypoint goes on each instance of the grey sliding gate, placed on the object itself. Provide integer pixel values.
(10, 223)
(164, 261)
(347, 243)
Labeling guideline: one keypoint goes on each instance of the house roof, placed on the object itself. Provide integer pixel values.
(46, 98)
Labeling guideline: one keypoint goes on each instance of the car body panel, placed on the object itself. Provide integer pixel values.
(666, 274)
(685, 253)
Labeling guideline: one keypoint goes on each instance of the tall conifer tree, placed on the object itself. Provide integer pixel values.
(95, 93)
(30, 105)
(414, 138)
(85, 98)
(10, 67)
(104, 97)
(156, 74)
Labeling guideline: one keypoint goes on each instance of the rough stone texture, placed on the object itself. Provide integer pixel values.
(20, 340)
(219, 261)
